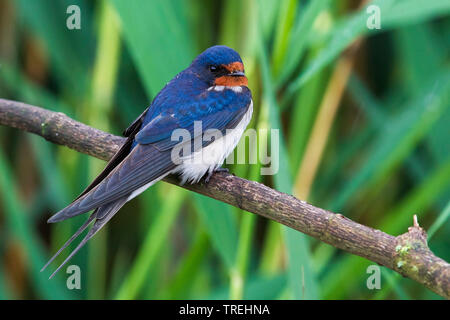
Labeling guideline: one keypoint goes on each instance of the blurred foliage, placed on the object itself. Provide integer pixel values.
(385, 155)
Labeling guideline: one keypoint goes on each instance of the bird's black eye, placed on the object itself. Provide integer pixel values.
(213, 68)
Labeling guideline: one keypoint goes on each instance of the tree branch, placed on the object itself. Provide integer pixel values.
(407, 254)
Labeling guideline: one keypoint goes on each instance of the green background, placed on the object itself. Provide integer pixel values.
(386, 154)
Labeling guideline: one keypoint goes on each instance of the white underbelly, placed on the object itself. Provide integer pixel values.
(195, 166)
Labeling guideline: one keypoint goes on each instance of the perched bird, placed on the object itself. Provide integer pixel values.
(211, 92)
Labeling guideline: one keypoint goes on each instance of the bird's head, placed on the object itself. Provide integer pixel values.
(220, 65)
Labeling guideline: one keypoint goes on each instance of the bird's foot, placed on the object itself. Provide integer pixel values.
(210, 173)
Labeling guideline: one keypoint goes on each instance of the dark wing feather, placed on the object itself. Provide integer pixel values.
(135, 126)
(143, 165)
(115, 160)
(101, 215)
(124, 150)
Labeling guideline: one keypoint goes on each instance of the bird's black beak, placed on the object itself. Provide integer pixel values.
(237, 74)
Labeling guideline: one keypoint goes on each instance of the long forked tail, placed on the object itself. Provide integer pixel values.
(101, 215)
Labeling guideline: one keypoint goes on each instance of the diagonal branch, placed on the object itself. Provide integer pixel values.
(407, 254)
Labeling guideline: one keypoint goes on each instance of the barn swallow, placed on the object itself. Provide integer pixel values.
(212, 91)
